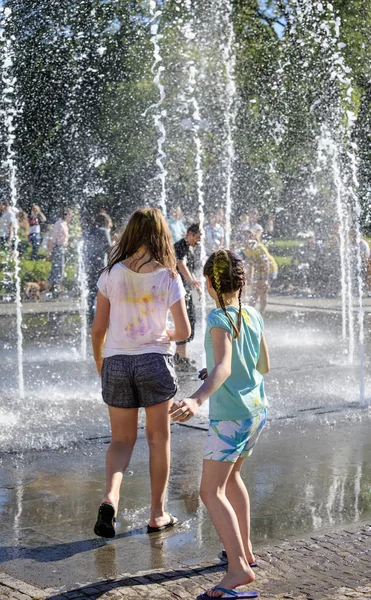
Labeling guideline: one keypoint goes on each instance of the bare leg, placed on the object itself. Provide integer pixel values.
(238, 496)
(213, 494)
(124, 424)
(182, 350)
(158, 438)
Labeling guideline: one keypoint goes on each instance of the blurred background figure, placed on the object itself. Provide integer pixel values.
(7, 225)
(97, 245)
(23, 232)
(107, 220)
(254, 225)
(358, 245)
(34, 221)
(214, 234)
(257, 270)
(58, 243)
(308, 269)
(184, 252)
(176, 224)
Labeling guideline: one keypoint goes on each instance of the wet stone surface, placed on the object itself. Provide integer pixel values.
(284, 572)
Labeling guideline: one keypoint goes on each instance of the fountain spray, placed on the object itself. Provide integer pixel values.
(229, 62)
(156, 70)
(9, 112)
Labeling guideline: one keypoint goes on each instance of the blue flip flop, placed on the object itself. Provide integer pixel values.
(253, 565)
(228, 594)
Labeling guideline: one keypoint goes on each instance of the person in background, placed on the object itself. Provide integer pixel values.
(359, 250)
(176, 224)
(7, 226)
(237, 358)
(328, 276)
(96, 248)
(240, 229)
(184, 252)
(254, 226)
(58, 243)
(214, 234)
(257, 270)
(133, 356)
(23, 232)
(107, 220)
(34, 221)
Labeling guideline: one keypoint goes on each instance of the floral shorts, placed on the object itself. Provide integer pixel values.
(229, 440)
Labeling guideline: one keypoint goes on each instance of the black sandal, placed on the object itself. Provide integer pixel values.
(173, 521)
(104, 526)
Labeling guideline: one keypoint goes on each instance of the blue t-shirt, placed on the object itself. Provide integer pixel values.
(242, 395)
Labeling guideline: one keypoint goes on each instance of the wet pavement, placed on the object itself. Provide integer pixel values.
(309, 477)
(302, 481)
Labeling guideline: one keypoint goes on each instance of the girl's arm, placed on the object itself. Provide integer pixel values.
(263, 365)
(222, 345)
(182, 329)
(99, 328)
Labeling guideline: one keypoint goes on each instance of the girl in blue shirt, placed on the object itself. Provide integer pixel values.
(237, 357)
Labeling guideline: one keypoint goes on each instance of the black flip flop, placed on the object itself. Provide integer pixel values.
(173, 521)
(104, 526)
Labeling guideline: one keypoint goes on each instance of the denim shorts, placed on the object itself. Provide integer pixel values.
(138, 380)
(229, 440)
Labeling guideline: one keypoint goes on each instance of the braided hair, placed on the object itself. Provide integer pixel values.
(227, 275)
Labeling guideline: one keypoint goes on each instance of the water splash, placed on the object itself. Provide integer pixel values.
(84, 291)
(156, 70)
(9, 112)
(196, 118)
(229, 62)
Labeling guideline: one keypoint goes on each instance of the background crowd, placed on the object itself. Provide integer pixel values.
(315, 267)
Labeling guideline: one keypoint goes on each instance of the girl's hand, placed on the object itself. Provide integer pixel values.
(183, 410)
(203, 374)
(99, 364)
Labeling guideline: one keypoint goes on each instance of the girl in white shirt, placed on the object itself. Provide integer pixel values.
(133, 356)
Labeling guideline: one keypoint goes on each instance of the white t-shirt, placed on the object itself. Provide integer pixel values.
(8, 218)
(139, 306)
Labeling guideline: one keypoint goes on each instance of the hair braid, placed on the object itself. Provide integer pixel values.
(239, 308)
(222, 266)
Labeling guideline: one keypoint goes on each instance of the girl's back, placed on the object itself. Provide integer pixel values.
(139, 303)
(242, 395)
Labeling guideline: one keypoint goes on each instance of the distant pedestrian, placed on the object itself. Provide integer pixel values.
(134, 358)
(214, 234)
(107, 220)
(58, 243)
(254, 225)
(184, 252)
(96, 248)
(237, 358)
(35, 219)
(258, 268)
(23, 232)
(176, 224)
(359, 255)
(8, 226)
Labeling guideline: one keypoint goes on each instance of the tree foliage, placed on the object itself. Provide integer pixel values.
(84, 134)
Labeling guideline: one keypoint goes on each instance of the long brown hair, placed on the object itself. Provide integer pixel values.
(227, 275)
(146, 228)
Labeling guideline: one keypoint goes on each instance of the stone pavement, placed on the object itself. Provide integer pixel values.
(333, 566)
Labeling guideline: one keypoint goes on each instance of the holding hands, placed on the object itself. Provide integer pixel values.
(183, 410)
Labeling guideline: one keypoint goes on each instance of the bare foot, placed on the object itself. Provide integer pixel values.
(165, 519)
(231, 581)
(249, 554)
